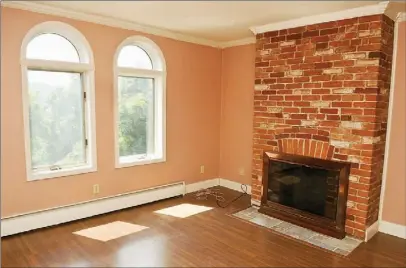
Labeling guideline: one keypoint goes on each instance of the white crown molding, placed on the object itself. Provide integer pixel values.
(124, 24)
(108, 21)
(325, 17)
(401, 17)
(239, 42)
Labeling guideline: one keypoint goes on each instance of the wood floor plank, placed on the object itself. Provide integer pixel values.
(209, 239)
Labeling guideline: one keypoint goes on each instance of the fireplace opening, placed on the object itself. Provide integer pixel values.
(310, 189)
(306, 191)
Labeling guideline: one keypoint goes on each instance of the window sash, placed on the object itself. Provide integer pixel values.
(134, 52)
(61, 66)
(86, 67)
(141, 73)
(157, 143)
(85, 127)
(42, 47)
(150, 125)
(48, 168)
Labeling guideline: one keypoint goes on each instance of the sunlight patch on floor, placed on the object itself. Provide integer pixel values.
(183, 210)
(110, 231)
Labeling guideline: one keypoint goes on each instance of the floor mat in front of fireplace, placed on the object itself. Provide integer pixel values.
(340, 246)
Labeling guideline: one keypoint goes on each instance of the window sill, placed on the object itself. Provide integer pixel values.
(60, 173)
(139, 162)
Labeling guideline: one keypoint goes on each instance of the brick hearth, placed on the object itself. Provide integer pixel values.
(322, 90)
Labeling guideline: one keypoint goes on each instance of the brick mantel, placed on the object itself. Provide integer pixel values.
(323, 90)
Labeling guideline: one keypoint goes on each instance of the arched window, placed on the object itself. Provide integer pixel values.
(58, 99)
(140, 76)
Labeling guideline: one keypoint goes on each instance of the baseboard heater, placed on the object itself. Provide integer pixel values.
(44, 218)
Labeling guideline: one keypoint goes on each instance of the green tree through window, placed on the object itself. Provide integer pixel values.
(56, 119)
(140, 102)
(135, 113)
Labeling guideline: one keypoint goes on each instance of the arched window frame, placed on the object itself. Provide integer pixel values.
(86, 68)
(158, 73)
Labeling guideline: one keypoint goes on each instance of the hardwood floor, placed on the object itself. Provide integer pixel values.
(212, 238)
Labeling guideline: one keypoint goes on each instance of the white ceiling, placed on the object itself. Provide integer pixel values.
(218, 21)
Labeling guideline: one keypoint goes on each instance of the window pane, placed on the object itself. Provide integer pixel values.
(135, 104)
(134, 57)
(56, 119)
(52, 47)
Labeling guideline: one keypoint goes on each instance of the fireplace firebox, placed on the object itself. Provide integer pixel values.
(306, 191)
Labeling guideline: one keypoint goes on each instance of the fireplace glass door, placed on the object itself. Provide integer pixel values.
(306, 188)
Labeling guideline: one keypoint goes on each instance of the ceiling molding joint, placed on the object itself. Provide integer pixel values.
(325, 17)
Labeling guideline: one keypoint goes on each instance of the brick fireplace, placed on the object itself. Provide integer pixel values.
(322, 90)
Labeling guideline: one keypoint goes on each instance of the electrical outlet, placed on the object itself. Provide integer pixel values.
(241, 171)
(201, 169)
(96, 189)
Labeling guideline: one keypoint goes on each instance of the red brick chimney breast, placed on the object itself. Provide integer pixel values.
(323, 90)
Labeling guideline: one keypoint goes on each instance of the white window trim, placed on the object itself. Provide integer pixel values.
(159, 75)
(86, 67)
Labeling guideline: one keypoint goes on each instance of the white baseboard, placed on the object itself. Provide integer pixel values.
(40, 219)
(54, 216)
(233, 185)
(371, 231)
(255, 203)
(194, 187)
(392, 229)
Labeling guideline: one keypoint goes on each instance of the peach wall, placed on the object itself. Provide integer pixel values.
(394, 204)
(238, 75)
(193, 122)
